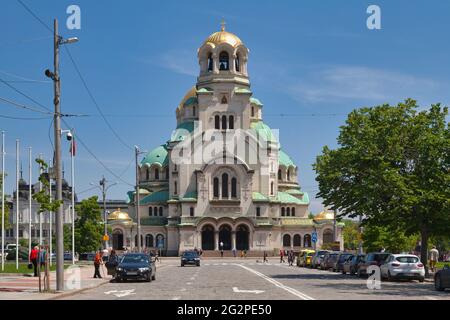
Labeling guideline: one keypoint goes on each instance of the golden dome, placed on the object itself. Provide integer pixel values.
(223, 36)
(190, 94)
(119, 215)
(324, 216)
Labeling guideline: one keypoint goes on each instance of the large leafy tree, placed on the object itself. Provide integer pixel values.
(351, 235)
(392, 240)
(88, 226)
(392, 167)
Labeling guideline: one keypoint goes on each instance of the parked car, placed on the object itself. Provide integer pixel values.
(329, 260)
(442, 279)
(371, 259)
(87, 256)
(190, 257)
(402, 266)
(317, 258)
(136, 266)
(303, 257)
(352, 263)
(339, 264)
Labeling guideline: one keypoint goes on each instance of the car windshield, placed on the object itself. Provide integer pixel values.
(190, 254)
(135, 259)
(407, 259)
(379, 257)
(344, 257)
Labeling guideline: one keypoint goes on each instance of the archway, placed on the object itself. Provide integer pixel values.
(117, 239)
(208, 237)
(225, 237)
(297, 240)
(307, 241)
(149, 241)
(242, 238)
(328, 236)
(286, 240)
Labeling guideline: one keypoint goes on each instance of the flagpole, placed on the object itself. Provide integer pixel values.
(3, 200)
(29, 205)
(72, 151)
(17, 204)
(40, 213)
(50, 216)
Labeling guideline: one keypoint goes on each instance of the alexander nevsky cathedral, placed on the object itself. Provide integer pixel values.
(222, 181)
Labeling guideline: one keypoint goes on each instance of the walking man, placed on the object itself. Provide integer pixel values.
(265, 257)
(281, 256)
(97, 262)
(434, 256)
(34, 259)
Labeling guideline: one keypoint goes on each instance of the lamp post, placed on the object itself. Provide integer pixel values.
(104, 188)
(137, 152)
(57, 42)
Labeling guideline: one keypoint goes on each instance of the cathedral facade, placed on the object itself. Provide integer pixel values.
(222, 180)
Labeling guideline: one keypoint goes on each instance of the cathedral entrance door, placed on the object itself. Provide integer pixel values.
(242, 238)
(225, 237)
(117, 240)
(208, 238)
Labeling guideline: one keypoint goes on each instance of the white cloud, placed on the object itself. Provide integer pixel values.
(180, 61)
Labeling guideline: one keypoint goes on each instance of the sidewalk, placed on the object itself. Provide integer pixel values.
(26, 287)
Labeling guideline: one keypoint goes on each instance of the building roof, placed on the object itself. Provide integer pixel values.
(263, 131)
(192, 93)
(157, 196)
(119, 216)
(297, 221)
(284, 159)
(223, 37)
(158, 155)
(256, 196)
(255, 101)
(285, 197)
(324, 216)
(182, 130)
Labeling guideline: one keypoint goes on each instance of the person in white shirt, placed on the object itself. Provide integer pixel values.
(434, 255)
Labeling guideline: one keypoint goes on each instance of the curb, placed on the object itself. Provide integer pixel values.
(74, 292)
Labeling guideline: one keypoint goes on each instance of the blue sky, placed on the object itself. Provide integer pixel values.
(139, 59)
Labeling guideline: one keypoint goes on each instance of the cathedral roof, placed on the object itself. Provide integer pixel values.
(119, 215)
(284, 159)
(158, 156)
(182, 130)
(264, 131)
(285, 197)
(223, 37)
(157, 196)
(189, 97)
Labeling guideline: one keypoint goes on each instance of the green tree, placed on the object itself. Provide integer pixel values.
(351, 234)
(392, 168)
(88, 226)
(7, 224)
(393, 240)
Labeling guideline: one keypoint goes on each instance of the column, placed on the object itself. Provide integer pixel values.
(216, 240)
(233, 240)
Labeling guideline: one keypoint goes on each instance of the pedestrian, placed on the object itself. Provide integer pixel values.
(245, 253)
(97, 262)
(281, 256)
(234, 253)
(221, 253)
(434, 255)
(112, 263)
(156, 256)
(34, 259)
(42, 256)
(265, 257)
(242, 254)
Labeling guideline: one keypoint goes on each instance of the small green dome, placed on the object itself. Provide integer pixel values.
(264, 131)
(183, 129)
(158, 155)
(284, 159)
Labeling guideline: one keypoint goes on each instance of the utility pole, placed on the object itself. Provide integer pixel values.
(17, 204)
(137, 200)
(29, 203)
(57, 41)
(3, 200)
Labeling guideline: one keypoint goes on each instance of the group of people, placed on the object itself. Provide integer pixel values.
(290, 256)
(38, 255)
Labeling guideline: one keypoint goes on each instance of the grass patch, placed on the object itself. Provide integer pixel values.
(440, 265)
(23, 268)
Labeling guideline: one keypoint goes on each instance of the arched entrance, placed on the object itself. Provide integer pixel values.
(208, 237)
(117, 239)
(327, 236)
(225, 237)
(242, 235)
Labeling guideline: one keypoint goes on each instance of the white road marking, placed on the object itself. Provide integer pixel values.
(192, 278)
(176, 298)
(278, 284)
(235, 289)
(121, 293)
(207, 264)
(188, 283)
(183, 289)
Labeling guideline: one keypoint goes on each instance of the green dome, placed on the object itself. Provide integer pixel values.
(158, 155)
(284, 159)
(182, 130)
(264, 131)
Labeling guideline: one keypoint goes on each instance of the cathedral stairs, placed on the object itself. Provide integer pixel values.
(229, 253)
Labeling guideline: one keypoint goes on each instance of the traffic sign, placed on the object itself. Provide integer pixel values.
(105, 237)
(314, 237)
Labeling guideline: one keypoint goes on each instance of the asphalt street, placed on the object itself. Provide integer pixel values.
(248, 279)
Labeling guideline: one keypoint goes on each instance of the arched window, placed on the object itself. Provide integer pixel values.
(231, 122)
(175, 187)
(282, 212)
(286, 240)
(155, 211)
(217, 122)
(193, 111)
(150, 211)
(238, 63)
(224, 122)
(288, 211)
(216, 188)
(258, 211)
(224, 61)
(234, 187)
(224, 185)
(160, 211)
(191, 211)
(307, 241)
(293, 211)
(156, 174)
(253, 111)
(271, 188)
(279, 174)
(297, 240)
(210, 62)
(149, 241)
(327, 236)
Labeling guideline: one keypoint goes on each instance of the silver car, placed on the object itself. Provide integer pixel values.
(403, 266)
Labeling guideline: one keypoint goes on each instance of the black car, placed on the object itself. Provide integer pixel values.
(190, 257)
(339, 264)
(352, 263)
(442, 279)
(136, 266)
(371, 259)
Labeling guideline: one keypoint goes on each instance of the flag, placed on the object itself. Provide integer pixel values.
(73, 147)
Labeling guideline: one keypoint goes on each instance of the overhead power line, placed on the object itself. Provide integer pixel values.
(22, 79)
(35, 16)
(23, 118)
(22, 106)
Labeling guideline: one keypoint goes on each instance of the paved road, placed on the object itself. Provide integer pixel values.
(247, 279)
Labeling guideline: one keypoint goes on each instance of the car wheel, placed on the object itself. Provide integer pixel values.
(421, 279)
(343, 272)
(149, 278)
(389, 277)
(438, 283)
(198, 264)
(182, 265)
(359, 273)
(154, 277)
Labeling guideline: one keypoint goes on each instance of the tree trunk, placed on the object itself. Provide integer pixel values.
(424, 249)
